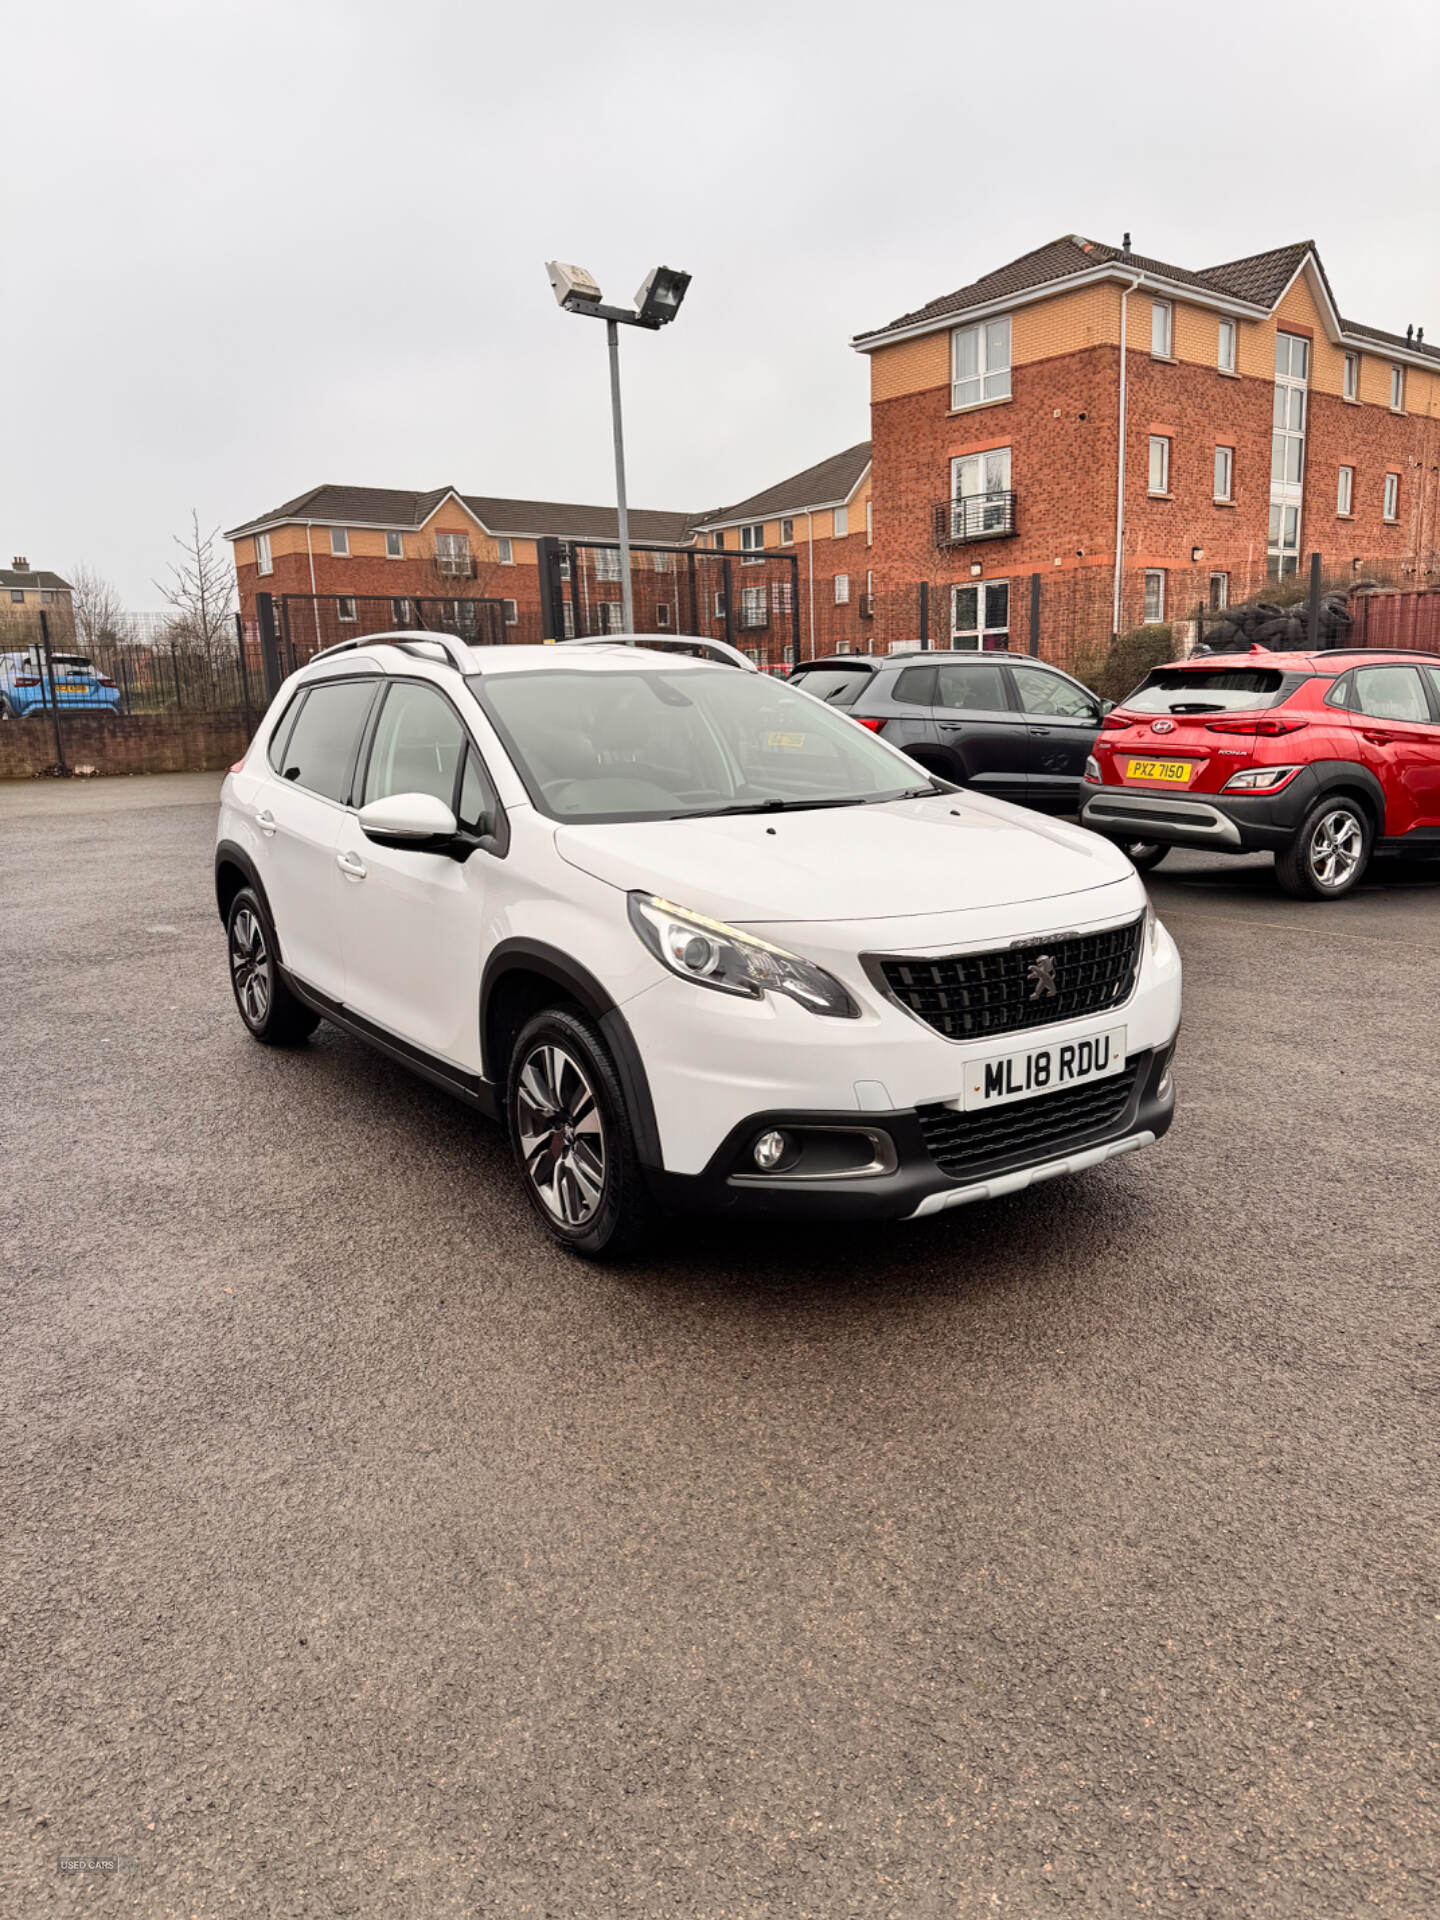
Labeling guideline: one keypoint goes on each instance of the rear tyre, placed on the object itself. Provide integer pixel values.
(267, 1006)
(1144, 855)
(1330, 853)
(573, 1141)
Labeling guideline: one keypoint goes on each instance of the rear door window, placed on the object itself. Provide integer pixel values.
(976, 686)
(1391, 693)
(320, 752)
(837, 686)
(1210, 690)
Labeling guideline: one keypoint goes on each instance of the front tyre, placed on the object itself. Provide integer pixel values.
(267, 1006)
(572, 1138)
(1144, 855)
(1330, 853)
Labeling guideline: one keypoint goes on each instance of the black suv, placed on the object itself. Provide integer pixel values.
(1000, 722)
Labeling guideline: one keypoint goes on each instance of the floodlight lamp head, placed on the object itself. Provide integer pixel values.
(658, 300)
(573, 287)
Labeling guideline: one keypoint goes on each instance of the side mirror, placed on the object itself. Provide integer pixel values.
(415, 822)
(1108, 706)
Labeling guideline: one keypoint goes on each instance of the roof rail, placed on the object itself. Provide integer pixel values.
(405, 639)
(1359, 653)
(675, 642)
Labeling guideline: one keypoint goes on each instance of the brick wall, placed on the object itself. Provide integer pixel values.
(139, 743)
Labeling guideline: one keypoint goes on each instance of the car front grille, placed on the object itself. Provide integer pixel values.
(972, 996)
(966, 1145)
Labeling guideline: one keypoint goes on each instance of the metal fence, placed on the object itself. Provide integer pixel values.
(291, 628)
(147, 664)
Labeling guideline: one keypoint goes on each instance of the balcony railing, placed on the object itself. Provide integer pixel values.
(975, 516)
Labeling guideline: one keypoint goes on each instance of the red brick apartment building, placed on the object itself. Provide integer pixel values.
(1145, 437)
(1087, 432)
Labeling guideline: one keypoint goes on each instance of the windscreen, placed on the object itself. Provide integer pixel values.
(1209, 690)
(683, 742)
(837, 686)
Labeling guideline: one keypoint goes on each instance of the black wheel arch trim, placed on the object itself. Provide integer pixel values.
(1334, 776)
(229, 854)
(521, 955)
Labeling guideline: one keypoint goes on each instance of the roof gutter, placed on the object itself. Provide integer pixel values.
(1095, 276)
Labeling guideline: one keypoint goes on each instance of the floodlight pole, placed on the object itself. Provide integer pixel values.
(627, 601)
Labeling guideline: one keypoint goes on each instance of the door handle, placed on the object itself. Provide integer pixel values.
(1378, 736)
(351, 865)
(265, 820)
(952, 726)
(1040, 730)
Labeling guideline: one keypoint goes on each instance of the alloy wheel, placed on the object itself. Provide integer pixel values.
(1336, 847)
(250, 966)
(562, 1138)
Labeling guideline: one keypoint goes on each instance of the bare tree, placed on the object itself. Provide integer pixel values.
(201, 589)
(99, 615)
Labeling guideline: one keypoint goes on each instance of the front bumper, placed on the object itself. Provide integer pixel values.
(918, 1184)
(1227, 822)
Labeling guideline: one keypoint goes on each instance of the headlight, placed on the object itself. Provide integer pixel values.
(714, 955)
(1259, 780)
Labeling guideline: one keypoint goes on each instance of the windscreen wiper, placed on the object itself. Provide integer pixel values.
(777, 806)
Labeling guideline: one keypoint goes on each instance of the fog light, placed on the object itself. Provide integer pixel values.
(769, 1150)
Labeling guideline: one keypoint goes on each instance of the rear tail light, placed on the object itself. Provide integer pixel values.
(1114, 721)
(24, 680)
(1267, 727)
(873, 725)
(1260, 780)
(101, 681)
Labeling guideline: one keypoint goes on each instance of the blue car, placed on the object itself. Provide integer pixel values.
(79, 683)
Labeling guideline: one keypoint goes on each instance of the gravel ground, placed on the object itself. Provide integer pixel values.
(363, 1555)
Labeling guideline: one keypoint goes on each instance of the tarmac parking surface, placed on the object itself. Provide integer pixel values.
(1072, 1554)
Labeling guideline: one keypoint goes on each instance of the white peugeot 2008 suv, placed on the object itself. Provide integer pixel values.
(697, 938)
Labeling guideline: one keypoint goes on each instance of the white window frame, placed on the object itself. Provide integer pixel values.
(264, 559)
(1162, 441)
(340, 543)
(787, 533)
(1345, 492)
(842, 589)
(1225, 474)
(512, 613)
(994, 351)
(399, 610)
(394, 545)
(612, 615)
(840, 522)
(453, 556)
(1225, 346)
(567, 619)
(1219, 592)
(662, 614)
(1397, 389)
(752, 544)
(1155, 585)
(660, 563)
(719, 604)
(505, 550)
(754, 608)
(1351, 384)
(1391, 498)
(869, 522)
(342, 601)
(607, 564)
(1162, 329)
(988, 634)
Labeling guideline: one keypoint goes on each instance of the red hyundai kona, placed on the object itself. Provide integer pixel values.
(1320, 758)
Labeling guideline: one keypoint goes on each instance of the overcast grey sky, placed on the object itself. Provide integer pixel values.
(251, 247)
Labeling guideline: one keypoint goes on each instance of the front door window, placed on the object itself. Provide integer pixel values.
(980, 615)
